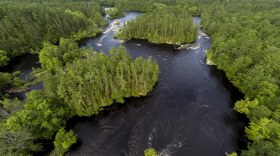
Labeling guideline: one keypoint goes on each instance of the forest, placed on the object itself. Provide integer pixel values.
(24, 28)
(173, 25)
(245, 45)
(74, 85)
(115, 12)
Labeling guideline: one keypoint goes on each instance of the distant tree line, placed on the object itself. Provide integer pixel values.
(193, 6)
(25, 26)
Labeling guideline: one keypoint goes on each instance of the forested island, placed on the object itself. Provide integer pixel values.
(172, 25)
(115, 12)
(77, 82)
(81, 82)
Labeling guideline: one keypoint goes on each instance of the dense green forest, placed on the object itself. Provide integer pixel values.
(173, 25)
(246, 46)
(87, 85)
(192, 6)
(8, 80)
(115, 12)
(74, 85)
(132, 5)
(25, 26)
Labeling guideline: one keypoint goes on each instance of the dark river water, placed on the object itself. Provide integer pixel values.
(189, 112)
(24, 64)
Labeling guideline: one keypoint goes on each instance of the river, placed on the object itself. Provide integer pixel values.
(189, 112)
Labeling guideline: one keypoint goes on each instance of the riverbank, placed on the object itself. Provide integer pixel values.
(188, 99)
(173, 26)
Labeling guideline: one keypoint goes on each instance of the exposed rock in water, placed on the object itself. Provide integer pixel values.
(185, 46)
(117, 22)
(209, 62)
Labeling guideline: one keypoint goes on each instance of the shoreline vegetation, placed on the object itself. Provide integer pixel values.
(173, 26)
(26, 26)
(77, 82)
(150, 152)
(245, 45)
(115, 12)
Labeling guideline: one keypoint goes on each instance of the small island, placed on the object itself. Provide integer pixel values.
(171, 25)
(115, 12)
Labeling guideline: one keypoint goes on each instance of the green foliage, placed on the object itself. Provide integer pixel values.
(262, 148)
(244, 106)
(63, 141)
(259, 131)
(44, 116)
(79, 82)
(89, 84)
(16, 142)
(140, 5)
(8, 80)
(246, 46)
(194, 10)
(24, 126)
(263, 130)
(9, 107)
(3, 58)
(260, 112)
(160, 6)
(173, 25)
(115, 12)
(232, 154)
(150, 152)
(25, 26)
(49, 57)
(54, 57)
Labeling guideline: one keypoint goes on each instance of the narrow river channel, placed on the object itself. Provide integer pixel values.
(189, 112)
